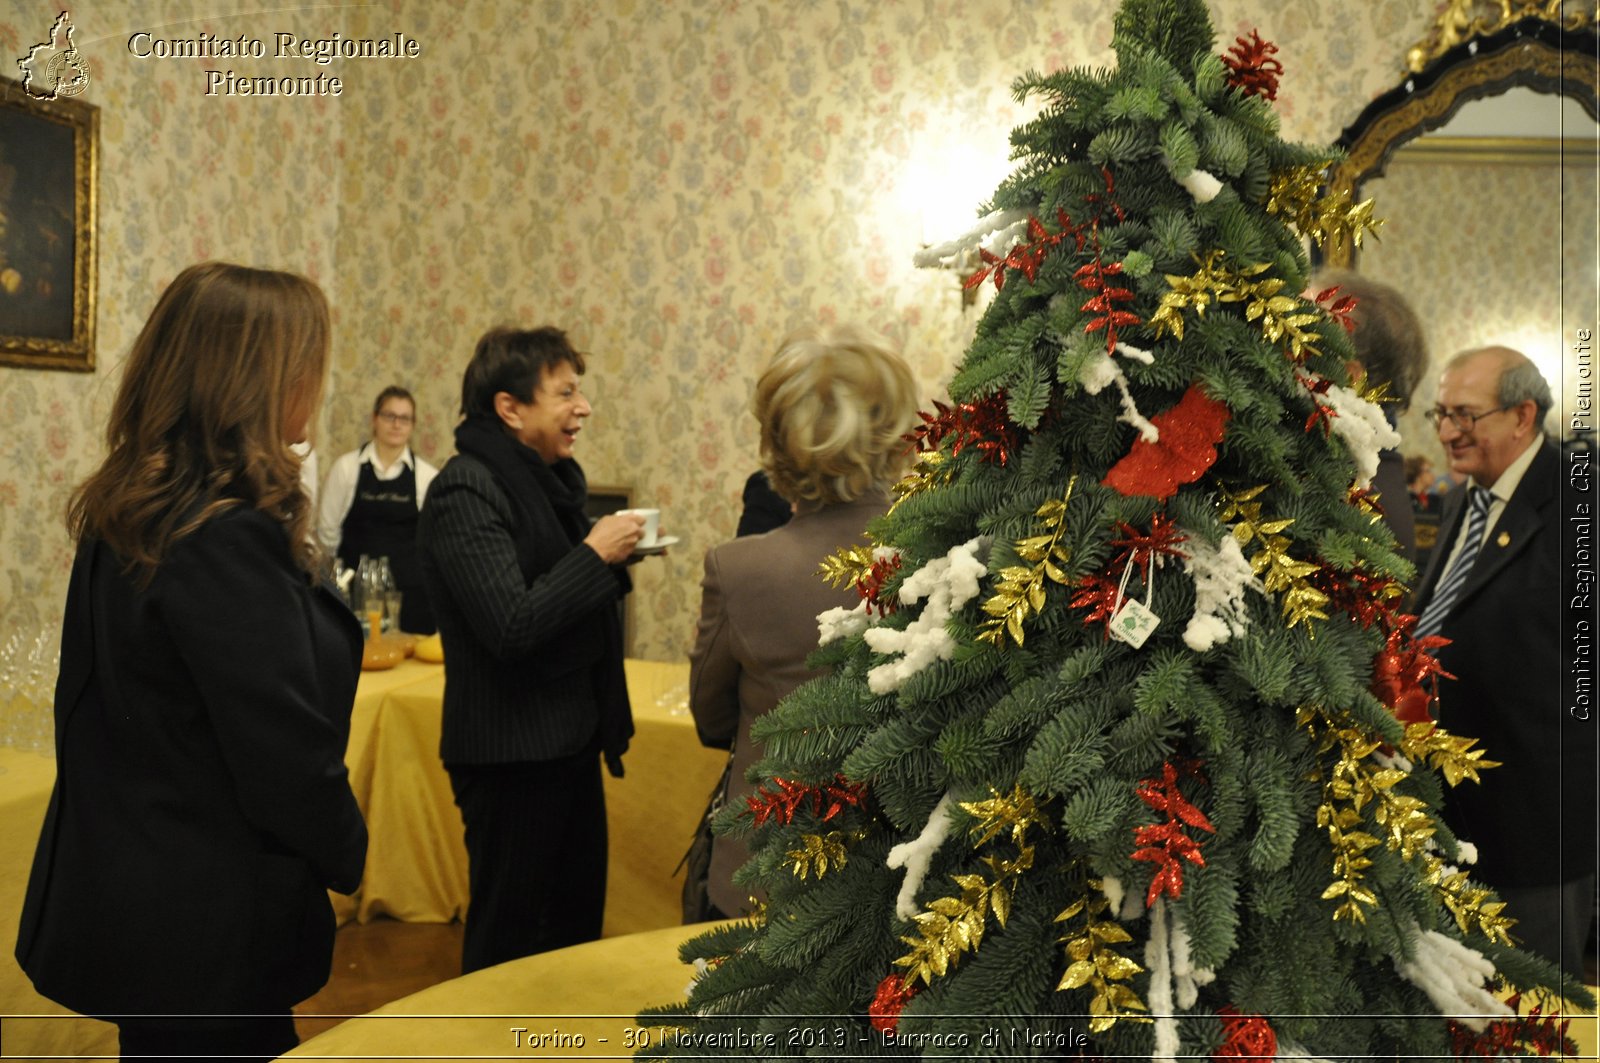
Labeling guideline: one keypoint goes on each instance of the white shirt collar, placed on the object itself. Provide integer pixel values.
(369, 453)
(1503, 488)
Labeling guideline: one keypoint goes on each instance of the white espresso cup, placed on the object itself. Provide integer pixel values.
(652, 524)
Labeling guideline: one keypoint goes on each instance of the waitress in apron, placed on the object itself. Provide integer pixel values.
(370, 502)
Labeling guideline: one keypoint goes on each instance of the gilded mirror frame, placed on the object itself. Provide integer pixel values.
(1460, 63)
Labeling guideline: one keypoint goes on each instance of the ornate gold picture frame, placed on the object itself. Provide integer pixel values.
(1470, 55)
(49, 172)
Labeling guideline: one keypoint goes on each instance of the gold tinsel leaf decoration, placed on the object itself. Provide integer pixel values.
(1020, 593)
(817, 853)
(1017, 812)
(1282, 317)
(1094, 964)
(1473, 907)
(1448, 754)
(1280, 573)
(951, 926)
(847, 567)
(929, 471)
(1295, 194)
(1355, 781)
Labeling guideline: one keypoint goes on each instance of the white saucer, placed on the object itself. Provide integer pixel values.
(657, 547)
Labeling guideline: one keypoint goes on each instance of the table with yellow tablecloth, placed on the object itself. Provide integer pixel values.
(416, 859)
(576, 1003)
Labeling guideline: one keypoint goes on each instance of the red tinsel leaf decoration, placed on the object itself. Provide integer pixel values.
(1187, 447)
(792, 796)
(1165, 844)
(870, 587)
(1098, 594)
(1320, 414)
(1365, 598)
(1026, 257)
(1402, 673)
(1536, 1032)
(1091, 277)
(984, 425)
(1339, 309)
(1245, 1036)
(893, 994)
(1163, 540)
(1255, 72)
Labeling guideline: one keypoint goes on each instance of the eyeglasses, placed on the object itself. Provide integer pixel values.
(1462, 419)
(396, 418)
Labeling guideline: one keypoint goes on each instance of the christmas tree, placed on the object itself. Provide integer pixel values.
(1125, 751)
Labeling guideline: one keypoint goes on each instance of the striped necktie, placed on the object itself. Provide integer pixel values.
(1449, 588)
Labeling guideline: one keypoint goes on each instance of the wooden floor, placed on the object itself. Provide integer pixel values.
(381, 961)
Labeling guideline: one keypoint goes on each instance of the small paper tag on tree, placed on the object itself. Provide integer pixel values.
(1133, 624)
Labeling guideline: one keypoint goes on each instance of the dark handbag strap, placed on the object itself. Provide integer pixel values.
(713, 806)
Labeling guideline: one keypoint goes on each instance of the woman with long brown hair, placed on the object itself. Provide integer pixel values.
(201, 806)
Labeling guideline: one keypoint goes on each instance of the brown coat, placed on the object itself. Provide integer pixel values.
(761, 596)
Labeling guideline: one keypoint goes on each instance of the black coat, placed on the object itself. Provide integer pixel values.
(1532, 819)
(201, 807)
(520, 684)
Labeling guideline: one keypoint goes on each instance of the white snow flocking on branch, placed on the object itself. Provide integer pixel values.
(1359, 423)
(1221, 577)
(995, 233)
(948, 583)
(839, 622)
(1186, 977)
(1158, 961)
(1199, 184)
(1453, 976)
(917, 854)
(1097, 373)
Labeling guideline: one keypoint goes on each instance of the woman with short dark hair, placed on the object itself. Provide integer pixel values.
(525, 590)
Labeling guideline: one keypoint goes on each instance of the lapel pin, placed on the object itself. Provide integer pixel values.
(1505, 539)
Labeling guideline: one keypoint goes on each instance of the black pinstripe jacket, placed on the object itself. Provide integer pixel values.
(516, 687)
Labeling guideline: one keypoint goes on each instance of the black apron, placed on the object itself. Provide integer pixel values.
(382, 522)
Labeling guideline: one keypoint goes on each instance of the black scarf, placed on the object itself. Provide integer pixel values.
(539, 492)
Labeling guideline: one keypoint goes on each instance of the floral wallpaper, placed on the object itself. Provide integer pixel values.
(1520, 243)
(677, 183)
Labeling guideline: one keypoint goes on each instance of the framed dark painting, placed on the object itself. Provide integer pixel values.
(49, 163)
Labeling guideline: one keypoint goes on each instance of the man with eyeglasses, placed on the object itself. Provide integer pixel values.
(1494, 587)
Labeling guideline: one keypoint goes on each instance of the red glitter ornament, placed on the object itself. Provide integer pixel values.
(1338, 309)
(1187, 447)
(1245, 1036)
(1091, 277)
(1139, 548)
(1537, 1032)
(1098, 594)
(985, 426)
(1165, 844)
(792, 796)
(893, 994)
(1255, 72)
(870, 586)
(1402, 673)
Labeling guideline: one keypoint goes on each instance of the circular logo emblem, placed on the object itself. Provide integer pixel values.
(68, 73)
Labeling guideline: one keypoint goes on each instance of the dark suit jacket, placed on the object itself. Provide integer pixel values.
(758, 623)
(201, 807)
(515, 690)
(1532, 818)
